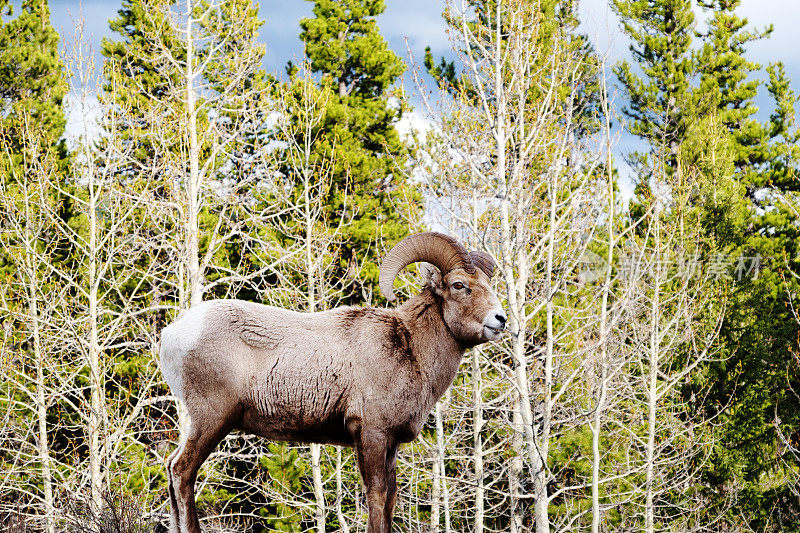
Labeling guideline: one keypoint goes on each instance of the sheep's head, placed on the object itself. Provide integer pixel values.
(461, 279)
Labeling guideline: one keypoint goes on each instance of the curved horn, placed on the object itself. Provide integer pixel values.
(439, 249)
(483, 261)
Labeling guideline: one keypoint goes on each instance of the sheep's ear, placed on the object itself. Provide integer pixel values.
(431, 277)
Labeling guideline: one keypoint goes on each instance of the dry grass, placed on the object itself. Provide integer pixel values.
(120, 514)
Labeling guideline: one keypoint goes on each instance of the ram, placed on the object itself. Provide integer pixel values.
(361, 377)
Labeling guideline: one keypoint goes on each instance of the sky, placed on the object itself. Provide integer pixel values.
(418, 23)
(411, 25)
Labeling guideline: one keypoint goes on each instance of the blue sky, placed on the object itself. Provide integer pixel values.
(420, 23)
(415, 24)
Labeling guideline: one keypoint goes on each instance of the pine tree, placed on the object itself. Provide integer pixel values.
(761, 331)
(724, 107)
(287, 470)
(32, 88)
(697, 111)
(32, 78)
(189, 94)
(659, 101)
(343, 44)
(727, 83)
(559, 24)
(757, 226)
(135, 79)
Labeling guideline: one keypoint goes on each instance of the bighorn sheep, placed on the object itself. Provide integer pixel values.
(361, 377)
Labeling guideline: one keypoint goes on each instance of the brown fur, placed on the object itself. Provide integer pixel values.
(362, 377)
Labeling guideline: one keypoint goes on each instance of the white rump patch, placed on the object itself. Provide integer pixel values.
(177, 340)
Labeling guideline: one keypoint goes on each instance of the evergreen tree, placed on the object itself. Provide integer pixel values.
(206, 124)
(559, 24)
(659, 101)
(759, 227)
(697, 113)
(343, 44)
(145, 83)
(755, 381)
(32, 120)
(32, 79)
(727, 84)
(286, 470)
(32, 90)
(135, 78)
(724, 101)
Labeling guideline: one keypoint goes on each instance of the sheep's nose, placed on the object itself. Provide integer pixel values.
(502, 319)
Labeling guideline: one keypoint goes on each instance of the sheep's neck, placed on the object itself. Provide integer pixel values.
(435, 348)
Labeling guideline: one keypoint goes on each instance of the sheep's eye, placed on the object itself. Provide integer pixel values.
(458, 285)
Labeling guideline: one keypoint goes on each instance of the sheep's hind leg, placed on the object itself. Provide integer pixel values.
(372, 447)
(203, 436)
(173, 502)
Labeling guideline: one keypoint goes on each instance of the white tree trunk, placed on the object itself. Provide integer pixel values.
(193, 182)
(41, 398)
(97, 394)
(540, 469)
(440, 457)
(515, 276)
(515, 469)
(311, 306)
(41, 418)
(31, 263)
(600, 405)
(339, 511)
(316, 468)
(436, 496)
(191, 253)
(652, 393)
(319, 489)
(477, 440)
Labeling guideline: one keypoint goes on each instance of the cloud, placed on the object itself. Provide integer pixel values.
(412, 123)
(83, 118)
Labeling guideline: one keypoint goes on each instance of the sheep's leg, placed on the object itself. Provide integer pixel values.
(173, 501)
(391, 493)
(182, 469)
(372, 447)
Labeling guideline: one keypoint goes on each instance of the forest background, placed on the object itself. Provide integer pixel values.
(649, 380)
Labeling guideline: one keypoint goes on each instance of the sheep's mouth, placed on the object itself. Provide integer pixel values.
(495, 332)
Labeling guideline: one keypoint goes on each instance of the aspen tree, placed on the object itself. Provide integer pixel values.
(28, 363)
(512, 129)
(33, 87)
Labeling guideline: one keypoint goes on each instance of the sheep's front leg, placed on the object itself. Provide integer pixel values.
(391, 480)
(372, 447)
